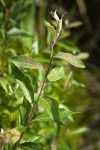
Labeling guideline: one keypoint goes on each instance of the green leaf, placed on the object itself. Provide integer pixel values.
(56, 74)
(18, 102)
(35, 46)
(26, 62)
(78, 131)
(71, 59)
(25, 84)
(78, 84)
(18, 33)
(6, 85)
(29, 137)
(22, 112)
(26, 88)
(52, 108)
(66, 112)
(30, 146)
(47, 23)
(68, 46)
(68, 80)
(42, 117)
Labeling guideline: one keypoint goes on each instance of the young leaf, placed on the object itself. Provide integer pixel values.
(56, 74)
(52, 108)
(26, 62)
(54, 15)
(71, 59)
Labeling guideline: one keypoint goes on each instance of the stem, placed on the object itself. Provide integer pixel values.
(42, 87)
(36, 104)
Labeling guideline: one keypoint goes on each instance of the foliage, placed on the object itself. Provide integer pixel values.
(36, 88)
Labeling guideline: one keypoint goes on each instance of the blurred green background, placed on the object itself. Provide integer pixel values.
(24, 31)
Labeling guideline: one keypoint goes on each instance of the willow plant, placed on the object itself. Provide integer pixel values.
(50, 105)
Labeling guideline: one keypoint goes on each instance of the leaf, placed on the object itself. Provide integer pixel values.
(18, 33)
(78, 131)
(25, 84)
(22, 112)
(75, 24)
(68, 46)
(47, 23)
(28, 137)
(68, 80)
(6, 85)
(35, 47)
(83, 55)
(30, 146)
(56, 74)
(26, 62)
(26, 88)
(52, 108)
(71, 59)
(53, 31)
(66, 112)
(55, 16)
(78, 84)
(18, 102)
(42, 117)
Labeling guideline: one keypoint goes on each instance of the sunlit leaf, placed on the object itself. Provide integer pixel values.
(5, 85)
(71, 59)
(56, 74)
(26, 62)
(52, 108)
(29, 137)
(47, 23)
(55, 16)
